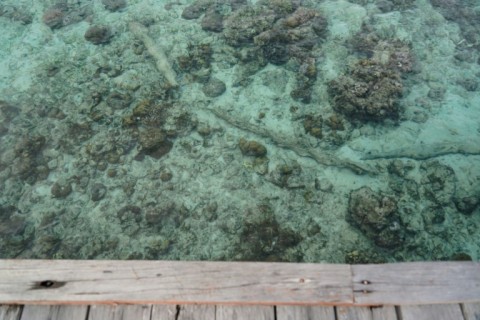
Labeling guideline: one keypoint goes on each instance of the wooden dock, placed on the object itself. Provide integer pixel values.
(151, 290)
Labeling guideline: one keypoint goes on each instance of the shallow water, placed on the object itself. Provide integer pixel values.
(276, 130)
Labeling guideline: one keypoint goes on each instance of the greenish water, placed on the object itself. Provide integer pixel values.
(276, 130)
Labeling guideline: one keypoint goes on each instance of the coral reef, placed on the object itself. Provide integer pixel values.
(114, 5)
(268, 32)
(438, 182)
(212, 21)
(7, 113)
(458, 11)
(252, 148)
(287, 176)
(54, 17)
(262, 238)
(467, 205)
(369, 92)
(214, 88)
(364, 257)
(61, 189)
(371, 88)
(98, 192)
(154, 143)
(394, 5)
(196, 9)
(108, 167)
(63, 14)
(16, 13)
(98, 34)
(313, 125)
(29, 164)
(198, 57)
(14, 234)
(376, 216)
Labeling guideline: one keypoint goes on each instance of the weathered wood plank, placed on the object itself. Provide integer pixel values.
(429, 312)
(136, 312)
(245, 313)
(10, 312)
(54, 312)
(471, 311)
(196, 312)
(354, 313)
(164, 312)
(384, 313)
(143, 282)
(119, 312)
(305, 313)
(416, 283)
(102, 312)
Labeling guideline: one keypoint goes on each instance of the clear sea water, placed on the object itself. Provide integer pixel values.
(270, 130)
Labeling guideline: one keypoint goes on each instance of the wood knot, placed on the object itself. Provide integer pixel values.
(47, 284)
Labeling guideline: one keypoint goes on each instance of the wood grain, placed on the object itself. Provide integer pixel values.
(430, 312)
(305, 313)
(196, 312)
(354, 313)
(179, 283)
(54, 312)
(10, 312)
(416, 283)
(164, 312)
(471, 311)
(384, 313)
(143, 282)
(245, 313)
(119, 312)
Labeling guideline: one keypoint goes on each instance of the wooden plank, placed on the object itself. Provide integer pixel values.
(429, 312)
(10, 312)
(416, 283)
(245, 313)
(143, 282)
(196, 312)
(164, 312)
(305, 313)
(119, 312)
(471, 311)
(354, 313)
(40, 312)
(98, 312)
(54, 312)
(136, 312)
(384, 313)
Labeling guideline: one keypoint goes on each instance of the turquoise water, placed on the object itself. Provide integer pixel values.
(275, 130)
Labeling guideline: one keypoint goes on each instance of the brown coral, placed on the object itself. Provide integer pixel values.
(252, 148)
(53, 18)
(98, 34)
(369, 92)
(376, 216)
